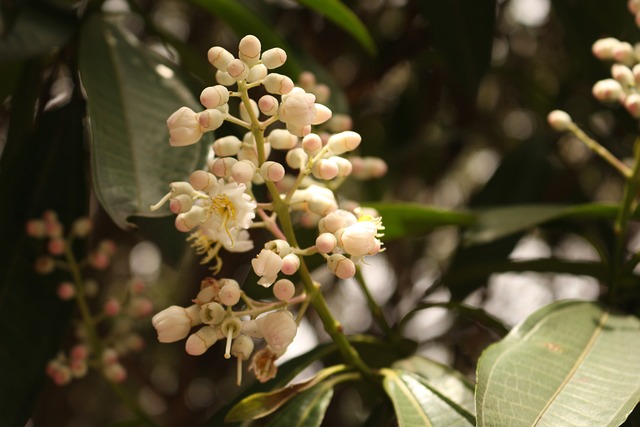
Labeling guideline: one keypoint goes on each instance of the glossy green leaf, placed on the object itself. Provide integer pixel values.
(494, 223)
(449, 382)
(130, 94)
(412, 219)
(418, 404)
(38, 29)
(570, 364)
(307, 409)
(341, 15)
(259, 405)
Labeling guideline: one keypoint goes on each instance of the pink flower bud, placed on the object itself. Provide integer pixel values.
(243, 171)
(111, 307)
(79, 352)
(341, 266)
(238, 69)
(268, 105)
(201, 180)
(214, 96)
(274, 58)
(272, 171)
(336, 220)
(222, 167)
(344, 141)
(99, 260)
(210, 119)
(604, 48)
(325, 169)
(53, 229)
(66, 291)
(323, 113)
(115, 372)
(632, 104)
(55, 246)
(278, 84)
(230, 294)
(227, 146)
(326, 242)
(281, 139)
(290, 264)
(81, 227)
(278, 329)
(249, 49)
(257, 73)
(180, 204)
(284, 289)
(622, 74)
(296, 158)
(607, 90)
(242, 347)
(224, 78)
(189, 220)
(219, 57)
(199, 342)
(312, 143)
(36, 228)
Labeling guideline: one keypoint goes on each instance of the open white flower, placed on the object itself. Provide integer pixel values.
(230, 211)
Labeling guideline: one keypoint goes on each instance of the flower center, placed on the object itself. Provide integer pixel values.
(222, 206)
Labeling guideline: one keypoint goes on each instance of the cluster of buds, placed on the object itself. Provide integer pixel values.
(623, 85)
(301, 160)
(103, 352)
(213, 315)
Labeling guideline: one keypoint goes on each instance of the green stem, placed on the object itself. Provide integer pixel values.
(375, 309)
(621, 224)
(601, 151)
(281, 208)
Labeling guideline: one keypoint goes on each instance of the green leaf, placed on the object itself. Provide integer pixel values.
(412, 219)
(449, 382)
(259, 405)
(570, 363)
(341, 15)
(495, 223)
(307, 409)
(130, 94)
(38, 29)
(417, 404)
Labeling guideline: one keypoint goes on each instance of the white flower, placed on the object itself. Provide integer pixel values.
(184, 128)
(230, 211)
(298, 108)
(267, 265)
(360, 239)
(173, 323)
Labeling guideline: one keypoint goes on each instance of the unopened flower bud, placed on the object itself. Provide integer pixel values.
(230, 294)
(81, 227)
(111, 307)
(244, 113)
(79, 352)
(268, 105)
(36, 228)
(281, 139)
(344, 141)
(344, 166)
(199, 342)
(219, 57)
(623, 52)
(242, 171)
(180, 204)
(607, 90)
(53, 229)
(242, 347)
(323, 113)
(632, 104)
(326, 242)
(214, 96)
(325, 169)
(297, 158)
(238, 69)
(322, 205)
(66, 291)
(290, 264)
(278, 329)
(212, 313)
(623, 74)
(56, 246)
(312, 143)
(257, 73)
(284, 289)
(249, 49)
(274, 58)
(115, 372)
(224, 78)
(559, 120)
(173, 323)
(278, 84)
(201, 180)
(604, 48)
(109, 356)
(99, 260)
(227, 146)
(336, 220)
(222, 167)
(211, 119)
(341, 266)
(272, 171)
(184, 128)
(299, 130)
(267, 265)
(189, 220)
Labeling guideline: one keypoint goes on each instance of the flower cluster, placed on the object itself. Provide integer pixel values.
(211, 312)
(300, 153)
(101, 352)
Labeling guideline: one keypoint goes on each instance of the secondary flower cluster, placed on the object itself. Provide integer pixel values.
(289, 148)
(100, 352)
(212, 312)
